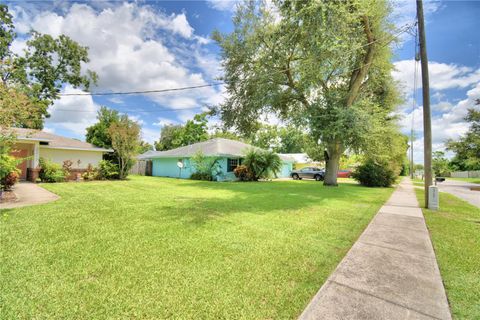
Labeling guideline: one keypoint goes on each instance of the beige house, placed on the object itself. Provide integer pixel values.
(33, 144)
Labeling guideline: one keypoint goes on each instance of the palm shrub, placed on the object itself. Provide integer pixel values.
(262, 163)
(374, 174)
(206, 168)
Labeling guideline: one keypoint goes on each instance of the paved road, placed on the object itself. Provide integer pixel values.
(462, 190)
(29, 194)
(389, 273)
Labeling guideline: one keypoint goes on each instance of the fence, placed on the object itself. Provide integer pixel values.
(142, 167)
(465, 174)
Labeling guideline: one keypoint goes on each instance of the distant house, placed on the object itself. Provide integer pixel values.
(302, 160)
(36, 144)
(229, 153)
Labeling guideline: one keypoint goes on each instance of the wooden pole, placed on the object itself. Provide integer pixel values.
(427, 123)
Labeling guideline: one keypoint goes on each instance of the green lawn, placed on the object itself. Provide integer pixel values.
(471, 180)
(157, 248)
(455, 233)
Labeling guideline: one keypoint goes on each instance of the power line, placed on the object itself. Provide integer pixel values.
(401, 30)
(140, 91)
(133, 110)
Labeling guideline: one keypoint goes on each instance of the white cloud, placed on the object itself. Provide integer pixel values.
(223, 5)
(449, 125)
(405, 11)
(72, 113)
(135, 47)
(150, 135)
(161, 121)
(442, 76)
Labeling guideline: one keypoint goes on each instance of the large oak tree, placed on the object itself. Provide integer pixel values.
(323, 64)
(45, 66)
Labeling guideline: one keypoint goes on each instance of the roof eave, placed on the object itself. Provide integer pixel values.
(77, 149)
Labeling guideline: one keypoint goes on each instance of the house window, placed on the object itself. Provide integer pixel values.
(232, 164)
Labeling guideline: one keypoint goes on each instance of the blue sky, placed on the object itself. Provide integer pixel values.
(148, 45)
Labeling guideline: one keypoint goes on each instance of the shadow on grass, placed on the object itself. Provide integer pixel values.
(195, 203)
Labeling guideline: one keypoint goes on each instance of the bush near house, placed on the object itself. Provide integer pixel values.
(374, 174)
(242, 173)
(51, 172)
(206, 168)
(9, 172)
(90, 173)
(260, 164)
(107, 170)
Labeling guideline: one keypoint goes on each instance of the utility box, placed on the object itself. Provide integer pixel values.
(433, 200)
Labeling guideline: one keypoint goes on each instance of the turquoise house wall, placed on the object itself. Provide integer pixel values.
(167, 167)
(287, 168)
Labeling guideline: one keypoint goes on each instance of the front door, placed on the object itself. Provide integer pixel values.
(21, 153)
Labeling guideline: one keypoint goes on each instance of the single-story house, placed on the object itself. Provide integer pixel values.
(228, 152)
(36, 144)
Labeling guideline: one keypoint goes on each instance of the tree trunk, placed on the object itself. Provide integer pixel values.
(335, 151)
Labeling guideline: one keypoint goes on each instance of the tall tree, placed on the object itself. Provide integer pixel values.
(98, 133)
(144, 146)
(467, 148)
(325, 64)
(125, 135)
(174, 136)
(47, 64)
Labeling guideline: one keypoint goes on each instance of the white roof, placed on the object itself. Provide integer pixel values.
(218, 147)
(298, 157)
(54, 141)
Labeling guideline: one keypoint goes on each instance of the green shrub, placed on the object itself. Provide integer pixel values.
(262, 163)
(206, 168)
(8, 169)
(201, 176)
(108, 170)
(374, 174)
(90, 173)
(50, 171)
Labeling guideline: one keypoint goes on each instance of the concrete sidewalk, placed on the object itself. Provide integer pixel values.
(29, 194)
(389, 273)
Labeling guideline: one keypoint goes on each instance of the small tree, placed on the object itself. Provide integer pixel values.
(262, 163)
(440, 164)
(125, 135)
(205, 167)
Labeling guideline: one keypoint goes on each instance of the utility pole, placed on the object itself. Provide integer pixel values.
(427, 123)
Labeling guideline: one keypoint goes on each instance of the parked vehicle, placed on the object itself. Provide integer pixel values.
(308, 173)
(344, 173)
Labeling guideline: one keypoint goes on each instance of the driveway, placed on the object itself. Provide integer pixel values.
(462, 190)
(29, 194)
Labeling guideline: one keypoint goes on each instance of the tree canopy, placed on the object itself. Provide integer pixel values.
(46, 65)
(125, 135)
(467, 148)
(175, 136)
(322, 64)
